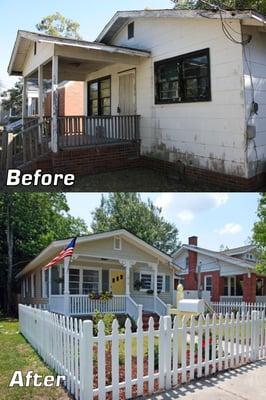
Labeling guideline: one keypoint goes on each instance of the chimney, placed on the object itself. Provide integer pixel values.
(192, 265)
(193, 240)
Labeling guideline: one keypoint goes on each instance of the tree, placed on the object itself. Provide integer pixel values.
(258, 5)
(14, 99)
(259, 233)
(128, 211)
(28, 223)
(58, 25)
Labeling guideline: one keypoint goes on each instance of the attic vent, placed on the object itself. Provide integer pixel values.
(117, 243)
(131, 30)
(35, 48)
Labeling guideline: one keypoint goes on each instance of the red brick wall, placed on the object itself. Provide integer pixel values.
(204, 176)
(71, 100)
(217, 284)
(90, 160)
(191, 280)
(249, 288)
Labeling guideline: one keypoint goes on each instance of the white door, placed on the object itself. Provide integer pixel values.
(127, 93)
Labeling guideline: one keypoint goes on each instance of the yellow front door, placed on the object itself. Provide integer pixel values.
(118, 282)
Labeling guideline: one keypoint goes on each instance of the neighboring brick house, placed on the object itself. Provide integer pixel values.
(229, 275)
(70, 99)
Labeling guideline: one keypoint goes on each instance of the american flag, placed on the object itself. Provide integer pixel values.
(67, 252)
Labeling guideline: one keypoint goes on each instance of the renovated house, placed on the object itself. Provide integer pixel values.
(182, 90)
(229, 275)
(109, 272)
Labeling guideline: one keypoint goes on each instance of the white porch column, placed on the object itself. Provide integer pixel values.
(127, 264)
(40, 99)
(155, 275)
(54, 105)
(24, 100)
(66, 286)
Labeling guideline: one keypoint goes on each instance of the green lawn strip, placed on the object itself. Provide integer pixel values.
(17, 354)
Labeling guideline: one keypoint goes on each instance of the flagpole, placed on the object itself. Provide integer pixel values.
(66, 286)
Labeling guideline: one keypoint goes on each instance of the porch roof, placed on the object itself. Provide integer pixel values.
(25, 39)
(49, 252)
(121, 18)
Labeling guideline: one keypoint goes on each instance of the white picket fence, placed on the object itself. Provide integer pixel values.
(132, 364)
(241, 307)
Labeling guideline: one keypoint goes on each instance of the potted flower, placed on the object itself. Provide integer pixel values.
(150, 291)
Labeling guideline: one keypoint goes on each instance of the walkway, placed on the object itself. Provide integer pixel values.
(245, 383)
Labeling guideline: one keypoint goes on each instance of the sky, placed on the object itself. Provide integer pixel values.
(216, 218)
(91, 15)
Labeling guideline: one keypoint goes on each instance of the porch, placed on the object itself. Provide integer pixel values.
(248, 288)
(108, 102)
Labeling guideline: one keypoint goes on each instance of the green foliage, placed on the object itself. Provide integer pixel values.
(36, 219)
(128, 211)
(259, 233)
(258, 5)
(15, 98)
(58, 25)
(106, 318)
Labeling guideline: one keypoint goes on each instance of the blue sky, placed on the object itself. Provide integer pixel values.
(216, 218)
(92, 16)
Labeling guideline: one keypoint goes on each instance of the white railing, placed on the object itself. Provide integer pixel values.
(56, 303)
(260, 299)
(133, 309)
(235, 299)
(83, 305)
(243, 308)
(160, 307)
(142, 362)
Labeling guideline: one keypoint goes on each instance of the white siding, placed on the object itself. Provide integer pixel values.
(44, 52)
(256, 57)
(209, 134)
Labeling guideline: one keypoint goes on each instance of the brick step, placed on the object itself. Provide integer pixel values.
(145, 320)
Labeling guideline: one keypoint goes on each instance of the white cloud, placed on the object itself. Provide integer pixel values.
(185, 216)
(185, 206)
(231, 229)
(164, 200)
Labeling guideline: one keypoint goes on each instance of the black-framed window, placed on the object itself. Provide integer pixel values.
(99, 96)
(131, 30)
(183, 79)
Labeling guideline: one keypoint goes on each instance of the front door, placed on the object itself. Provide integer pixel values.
(118, 282)
(127, 93)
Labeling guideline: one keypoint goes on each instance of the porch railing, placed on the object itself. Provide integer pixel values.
(83, 305)
(160, 307)
(76, 131)
(27, 145)
(234, 307)
(230, 299)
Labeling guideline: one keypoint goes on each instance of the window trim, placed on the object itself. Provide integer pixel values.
(205, 285)
(181, 58)
(152, 280)
(131, 33)
(120, 243)
(98, 80)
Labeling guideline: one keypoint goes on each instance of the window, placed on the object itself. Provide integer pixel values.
(99, 95)
(160, 283)
(74, 281)
(90, 281)
(187, 263)
(117, 243)
(33, 285)
(183, 79)
(260, 287)
(131, 30)
(55, 280)
(146, 280)
(208, 283)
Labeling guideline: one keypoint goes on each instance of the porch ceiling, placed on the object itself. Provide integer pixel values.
(71, 69)
(81, 52)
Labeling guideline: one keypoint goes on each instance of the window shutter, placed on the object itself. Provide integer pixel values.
(167, 283)
(105, 280)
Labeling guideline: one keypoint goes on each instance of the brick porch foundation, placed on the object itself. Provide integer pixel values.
(106, 158)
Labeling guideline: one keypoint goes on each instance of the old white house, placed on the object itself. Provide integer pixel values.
(192, 82)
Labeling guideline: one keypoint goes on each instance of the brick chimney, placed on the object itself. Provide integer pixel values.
(191, 279)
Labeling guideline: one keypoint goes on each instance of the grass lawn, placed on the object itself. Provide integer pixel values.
(17, 354)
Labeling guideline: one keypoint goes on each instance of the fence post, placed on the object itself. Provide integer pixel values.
(254, 335)
(86, 361)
